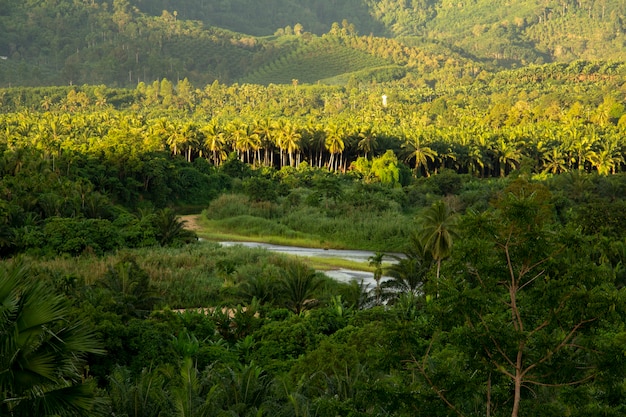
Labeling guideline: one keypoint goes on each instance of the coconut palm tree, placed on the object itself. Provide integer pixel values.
(290, 140)
(554, 161)
(508, 155)
(580, 145)
(376, 261)
(267, 129)
(437, 230)
(334, 144)
(214, 140)
(416, 150)
(409, 272)
(367, 140)
(42, 351)
(299, 283)
(607, 158)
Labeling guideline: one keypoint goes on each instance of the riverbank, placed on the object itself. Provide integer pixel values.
(210, 230)
(338, 263)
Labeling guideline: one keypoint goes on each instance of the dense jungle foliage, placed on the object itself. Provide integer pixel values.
(502, 201)
(122, 43)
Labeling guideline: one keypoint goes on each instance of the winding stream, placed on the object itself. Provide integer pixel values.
(341, 274)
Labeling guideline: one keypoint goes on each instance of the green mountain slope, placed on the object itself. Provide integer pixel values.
(124, 42)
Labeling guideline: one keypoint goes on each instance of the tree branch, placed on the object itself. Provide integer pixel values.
(440, 393)
(560, 346)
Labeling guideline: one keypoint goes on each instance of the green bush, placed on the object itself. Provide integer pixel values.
(135, 232)
(75, 236)
(228, 205)
(260, 189)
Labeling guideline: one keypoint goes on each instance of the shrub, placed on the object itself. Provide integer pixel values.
(75, 236)
(228, 205)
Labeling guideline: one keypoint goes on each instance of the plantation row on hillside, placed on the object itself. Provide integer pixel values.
(123, 43)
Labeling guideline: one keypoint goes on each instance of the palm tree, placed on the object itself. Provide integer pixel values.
(415, 149)
(554, 161)
(267, 131)
(508, 155)
(408, 273)
(143, 395)
(42, 351)
(316, 142)
(334, 143)
(253, 143)
(241, 391)
(238, 137)
(580, 145)
(367, 140)
(214, 140)
(290, 140)
(377, 262)
(130, 287)
(607, 158)
(480, 152)
(437, 230)
(186, 390)
(299, 284)
(170, 230)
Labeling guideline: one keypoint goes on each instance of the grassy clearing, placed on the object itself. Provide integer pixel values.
(220, 231)
(326, 264)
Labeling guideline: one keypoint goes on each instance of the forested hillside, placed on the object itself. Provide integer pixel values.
(122, 43)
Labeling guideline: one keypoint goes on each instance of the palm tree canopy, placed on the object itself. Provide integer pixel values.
(42, 352)
(438, 224)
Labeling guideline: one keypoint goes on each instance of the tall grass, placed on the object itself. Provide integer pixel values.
(196, 275)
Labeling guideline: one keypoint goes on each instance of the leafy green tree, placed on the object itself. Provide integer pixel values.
(385, 168)
(43, 351)
(327, 187)
(530, 302)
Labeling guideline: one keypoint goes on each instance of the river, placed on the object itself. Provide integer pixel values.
(343, 275)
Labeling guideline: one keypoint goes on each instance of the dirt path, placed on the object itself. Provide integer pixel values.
(191, 222)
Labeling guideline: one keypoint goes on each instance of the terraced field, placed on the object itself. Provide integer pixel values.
(316, 61)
